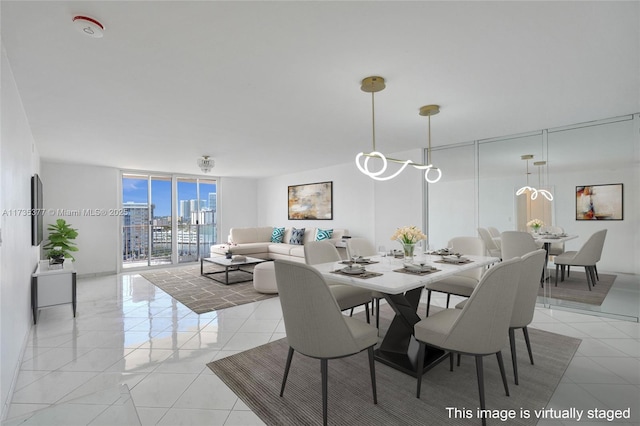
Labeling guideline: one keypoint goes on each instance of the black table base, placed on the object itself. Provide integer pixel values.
(399, 349)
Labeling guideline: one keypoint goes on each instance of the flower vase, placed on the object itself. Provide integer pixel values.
(408, 252)
(535, 230)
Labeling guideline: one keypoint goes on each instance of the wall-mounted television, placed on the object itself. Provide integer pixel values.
(36, 211)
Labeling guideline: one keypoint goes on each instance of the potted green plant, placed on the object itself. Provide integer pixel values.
(56, 256)
(61, 235)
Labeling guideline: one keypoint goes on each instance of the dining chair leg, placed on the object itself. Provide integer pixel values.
(525, 331)
(286, 370)
(568, 269)
(557, 271)
(592, 271)
(366, 310)
(377, 313)
(480, 374)
(502, 372)
(588, 274)
(428, 301)
(450, 361)
(324, 373)
(372, 369)
(420, 366)
(514, 358)
(351, 313)
(459, 356)
(448, 299)
(595, 269)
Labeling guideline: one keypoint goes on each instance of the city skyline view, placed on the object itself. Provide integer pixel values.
(135, 190)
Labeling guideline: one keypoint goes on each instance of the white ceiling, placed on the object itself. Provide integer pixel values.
(268, 88)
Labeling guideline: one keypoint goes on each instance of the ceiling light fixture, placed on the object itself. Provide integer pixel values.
(546, 194)
(205, 163)
(372, 85)
(533, 192)
(89, 26)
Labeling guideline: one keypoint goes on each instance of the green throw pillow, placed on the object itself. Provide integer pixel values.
(277, 235)
(323, 234)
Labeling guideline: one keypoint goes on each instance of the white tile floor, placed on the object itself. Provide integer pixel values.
(129, 332)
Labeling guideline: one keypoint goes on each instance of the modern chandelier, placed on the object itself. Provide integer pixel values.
(533, 192)
(372, 85)
(205, 163)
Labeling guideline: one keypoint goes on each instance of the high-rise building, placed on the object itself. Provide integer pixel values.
(135, 236)
(185, 211)
(213, 201)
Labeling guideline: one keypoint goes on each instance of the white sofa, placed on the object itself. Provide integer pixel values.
(256, 242)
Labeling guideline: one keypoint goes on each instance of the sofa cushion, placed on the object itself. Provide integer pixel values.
(277, 235)
(297, 251)
(251, 235)
(297, 236)
(323, 234)
(282, 248)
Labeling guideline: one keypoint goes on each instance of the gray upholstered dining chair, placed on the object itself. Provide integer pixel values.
(363, 247)
(315, 326)
(480, 328)
(525, 303)
(347, 296)
(495, 235)
(462, 283)
(588, 255)
(489, 242)
(517, 244)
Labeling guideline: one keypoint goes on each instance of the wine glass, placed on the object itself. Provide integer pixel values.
(355, 254)
(382, 251)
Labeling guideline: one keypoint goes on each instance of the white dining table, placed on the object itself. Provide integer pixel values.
(402, 291)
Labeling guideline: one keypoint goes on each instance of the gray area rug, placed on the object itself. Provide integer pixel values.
(256, 375)
(574, 288)
(201, 294)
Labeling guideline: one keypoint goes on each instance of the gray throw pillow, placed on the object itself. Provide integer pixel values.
(297, 236)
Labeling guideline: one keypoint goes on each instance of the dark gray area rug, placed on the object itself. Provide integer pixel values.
(574, 288)
(256, 375)
(201, 294)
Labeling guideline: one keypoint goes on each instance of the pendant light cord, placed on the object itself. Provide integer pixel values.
(373, 120)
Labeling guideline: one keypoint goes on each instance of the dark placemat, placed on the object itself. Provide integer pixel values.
(407, 271)
(364, 274)
(368, 262)
(459, 262)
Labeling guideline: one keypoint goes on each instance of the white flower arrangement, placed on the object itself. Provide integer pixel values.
(408, 235)
(535, 223)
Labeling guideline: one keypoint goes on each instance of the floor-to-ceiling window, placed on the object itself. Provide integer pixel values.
(168, 219)
(196, 206)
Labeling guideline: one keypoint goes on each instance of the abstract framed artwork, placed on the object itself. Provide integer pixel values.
(599, 202)
(311, 201)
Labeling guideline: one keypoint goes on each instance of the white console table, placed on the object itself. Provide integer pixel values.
(50, 287)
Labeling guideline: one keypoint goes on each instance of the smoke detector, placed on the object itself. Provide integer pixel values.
(88, 26)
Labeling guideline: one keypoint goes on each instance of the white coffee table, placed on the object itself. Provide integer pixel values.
(230, 265)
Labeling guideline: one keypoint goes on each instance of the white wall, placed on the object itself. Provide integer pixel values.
(238, 204)
(365, 207)
(18, 259)
(68, 188)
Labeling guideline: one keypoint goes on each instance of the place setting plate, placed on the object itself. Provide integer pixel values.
(454, 259)
(356, 271)
(416, 269)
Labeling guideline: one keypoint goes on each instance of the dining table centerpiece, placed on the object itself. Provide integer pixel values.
(535, 225)
(408, 236)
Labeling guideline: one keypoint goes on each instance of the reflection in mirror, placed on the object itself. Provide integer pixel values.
(479, 191)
